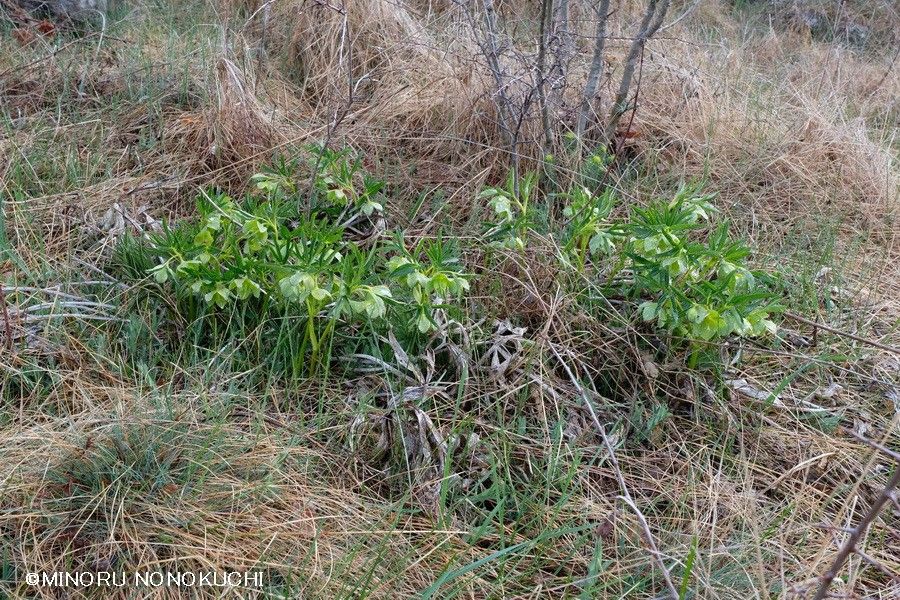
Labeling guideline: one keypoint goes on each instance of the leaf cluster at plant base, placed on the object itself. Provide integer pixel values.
(284, 254)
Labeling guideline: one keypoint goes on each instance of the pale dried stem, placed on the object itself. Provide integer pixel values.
(626, 495)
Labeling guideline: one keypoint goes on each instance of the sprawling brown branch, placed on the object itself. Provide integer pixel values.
(856, 534)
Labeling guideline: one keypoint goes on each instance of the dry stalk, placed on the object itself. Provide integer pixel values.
(593, 80)
(845, 334)
(650, 24)
(856, 534)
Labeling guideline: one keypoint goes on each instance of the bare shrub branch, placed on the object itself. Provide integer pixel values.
(489, 42)
(650, 24)
(541, 68)
(856, 534)
(593, 80)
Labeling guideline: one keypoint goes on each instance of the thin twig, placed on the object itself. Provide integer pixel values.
(873, 444)
(637, 93)
(845, 334)
(7, 326)
(680, 18)
(887, 72)
(18, 68)
(856, 535)
(871, 560)
(863, 555)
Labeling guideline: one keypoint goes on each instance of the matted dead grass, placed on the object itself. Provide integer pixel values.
(788, 130)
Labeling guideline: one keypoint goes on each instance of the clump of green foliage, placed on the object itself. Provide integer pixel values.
(684, 272)
(513, 212)
(280, 253)
(430, 274)
(699, 288)
(589, 232)
(290, 252)
(690, 281)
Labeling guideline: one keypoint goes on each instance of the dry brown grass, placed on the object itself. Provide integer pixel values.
(792, 132)
(781, 127)
(123, 491)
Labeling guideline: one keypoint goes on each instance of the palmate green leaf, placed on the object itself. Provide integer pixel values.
(220, 295)
(372, 186)
(372, 302)
(709, 324)
(298, 286)
(161, 273)
(245, 288)
(417, 278)
(204, 237)
(440, 283)
(709, 291)
(300, 261)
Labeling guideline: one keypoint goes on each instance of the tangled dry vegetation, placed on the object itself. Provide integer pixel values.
(474, 468)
